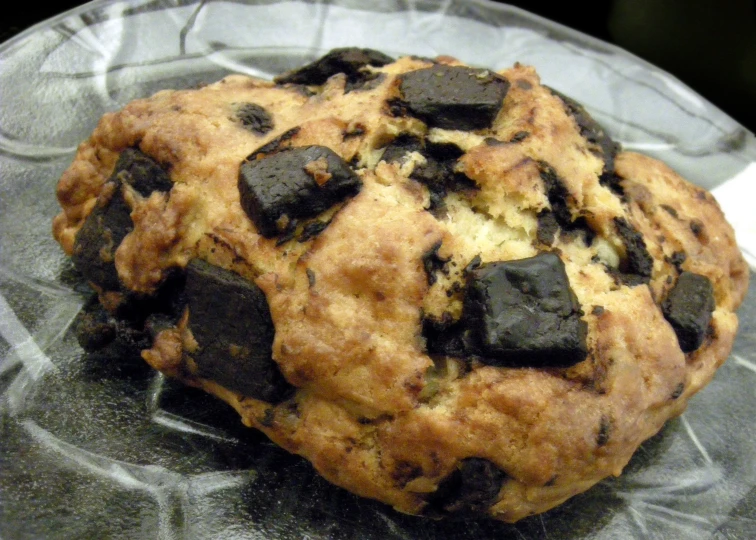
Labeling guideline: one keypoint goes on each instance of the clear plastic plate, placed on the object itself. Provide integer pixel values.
(101, 447)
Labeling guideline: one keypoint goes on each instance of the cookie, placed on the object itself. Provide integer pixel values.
(444, 286)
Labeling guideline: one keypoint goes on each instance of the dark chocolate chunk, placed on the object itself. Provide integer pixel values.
(597, 310)
(523, 84)
(471, 488)
(437, 173)
(396, 107)
(688, 308)
(559, 218)
(432, 263)
(605, 429)
(157, 322)
(493, 141)
(697, 228)
(356, 131)
(110, 220)
(310, 278)
(99, 237)
(294, 183)
(556, 193)
(599, 142)
(348, 60)
(141, 172)
(519, 136)
(230, 320)
(524, 313)
(255, 118)
(637, 261)
(97, 329)
(94, 327)
(613, 181)
(678, 391)
(364, 81)
(474, 264)
(279, 143)
(548, 227)
(453, 97)
(312, 229)
(445, 337)
(404, 472)
(167, 300)
(404, 144)
(268, 418)
(671, 211)
(287, 232)
(676, 259)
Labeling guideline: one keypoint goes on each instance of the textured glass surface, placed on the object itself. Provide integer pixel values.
(101, 447)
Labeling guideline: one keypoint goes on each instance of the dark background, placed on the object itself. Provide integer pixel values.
(709, 44)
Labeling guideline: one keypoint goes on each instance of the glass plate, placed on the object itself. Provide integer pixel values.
(98, 447)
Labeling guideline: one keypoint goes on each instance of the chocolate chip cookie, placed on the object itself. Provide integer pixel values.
(446, 287)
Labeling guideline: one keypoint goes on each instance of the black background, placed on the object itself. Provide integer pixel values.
(708, 44)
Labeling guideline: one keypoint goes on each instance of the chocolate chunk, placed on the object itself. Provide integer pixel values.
(433, 263)
(697, 228)
(365, 81)
(230, 320)
(356, 131)
(688, 308)
(94, 327)
(279, 143)
(401, 146)
(519, 136)
(471, 488)
(254, 118)
(97, 329)
(676, 259)
(474, 264)
(605, 429)
(524, 313)
(446, 338)
(671, 211)
(637, 261)
(523, 84)
(294, 183)
(312, 229)
(142, 172)
(453, 97)
(613, 181)
(437, 173)
(268, 417)
(556, 193)
(167, 300)
(548, 227)
(679, 389)
(599, 142)
(348, 60)
(559, 218)
(110, 220)
(99, 237)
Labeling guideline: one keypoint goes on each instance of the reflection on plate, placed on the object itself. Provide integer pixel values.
(95, 447)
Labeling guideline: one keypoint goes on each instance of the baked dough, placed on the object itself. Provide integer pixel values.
(445, 287)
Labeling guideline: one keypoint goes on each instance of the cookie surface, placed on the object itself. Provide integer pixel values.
(455, 298)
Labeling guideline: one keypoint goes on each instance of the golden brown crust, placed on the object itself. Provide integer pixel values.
(373, 411)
